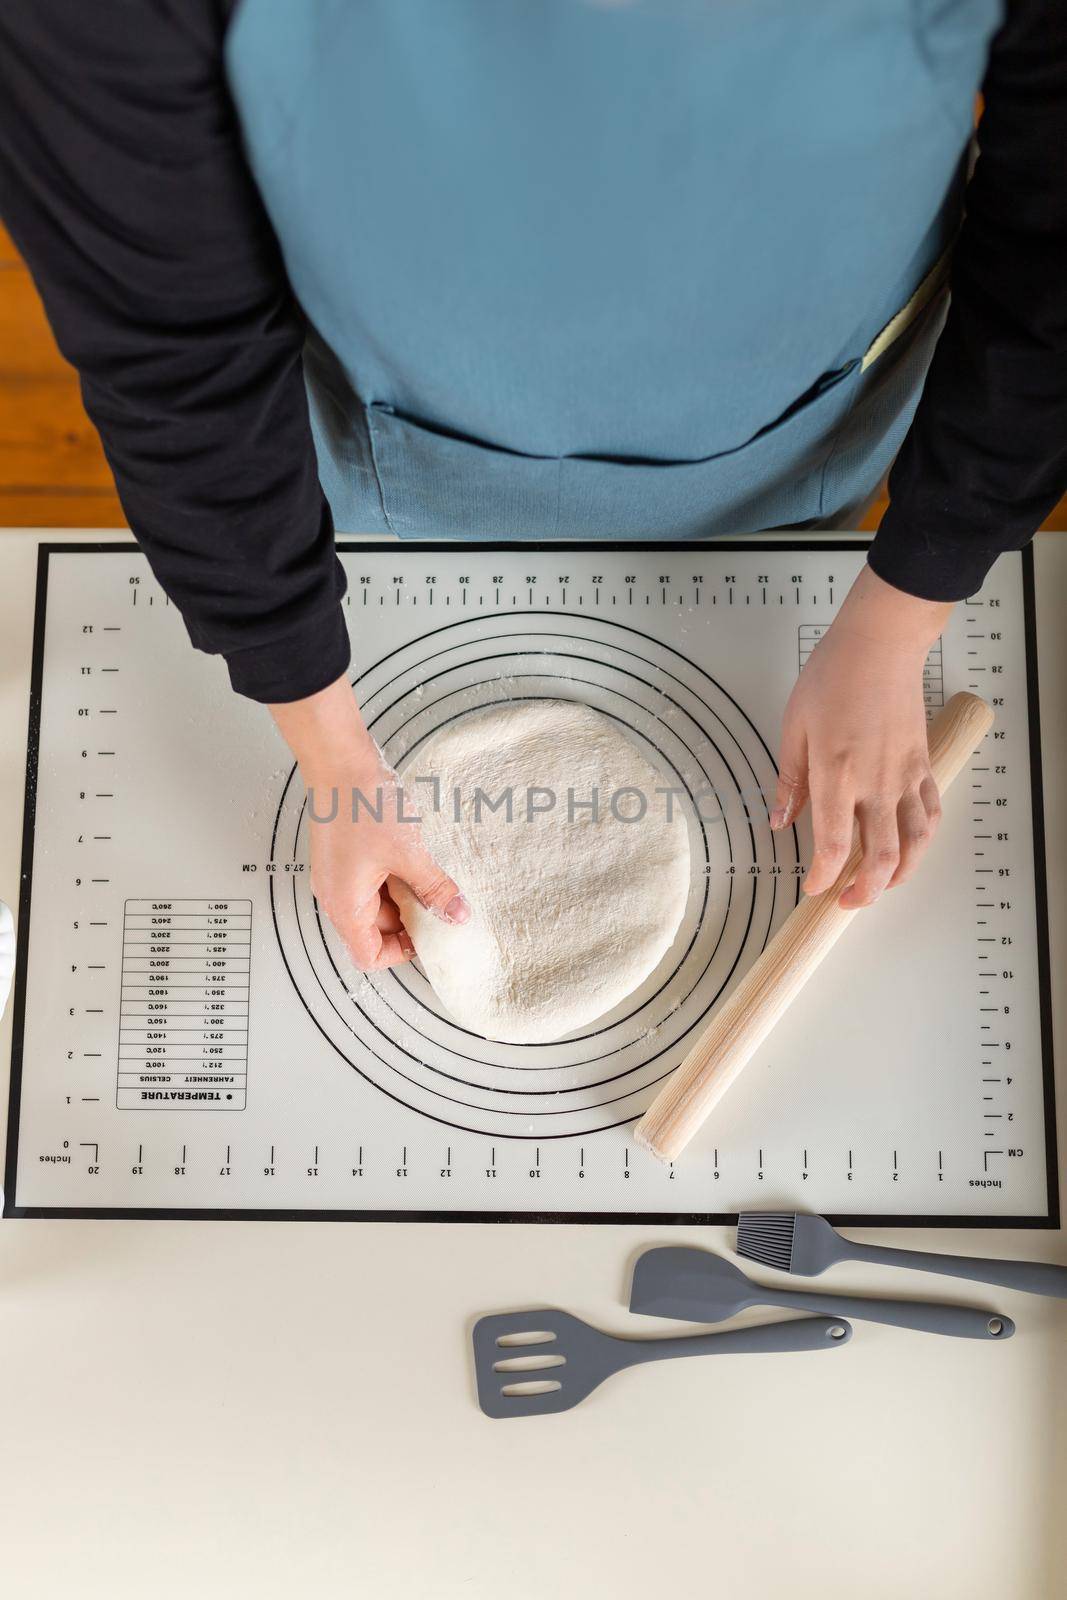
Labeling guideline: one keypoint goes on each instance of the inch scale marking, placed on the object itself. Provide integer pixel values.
(510, 1163)
(161, 795)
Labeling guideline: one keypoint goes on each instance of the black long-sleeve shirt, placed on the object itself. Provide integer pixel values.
(123, 183)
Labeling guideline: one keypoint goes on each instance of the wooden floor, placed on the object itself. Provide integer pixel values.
(52, 469)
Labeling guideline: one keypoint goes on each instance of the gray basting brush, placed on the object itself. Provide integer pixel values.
(793, 1242)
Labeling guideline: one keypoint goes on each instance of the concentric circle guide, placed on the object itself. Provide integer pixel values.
(390, 1027)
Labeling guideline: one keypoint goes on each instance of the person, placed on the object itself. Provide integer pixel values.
(592, 268)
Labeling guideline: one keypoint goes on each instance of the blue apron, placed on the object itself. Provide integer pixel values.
(609, 269)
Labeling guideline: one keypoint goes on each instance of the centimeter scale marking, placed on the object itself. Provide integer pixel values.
(994, 912)
(489, 591)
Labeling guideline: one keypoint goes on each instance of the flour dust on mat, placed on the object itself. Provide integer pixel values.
(575, 867)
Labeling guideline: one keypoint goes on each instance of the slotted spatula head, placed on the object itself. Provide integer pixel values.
(535, 1363)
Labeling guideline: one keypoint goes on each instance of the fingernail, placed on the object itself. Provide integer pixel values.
(457, 910)
(406, 944)
(778, 817)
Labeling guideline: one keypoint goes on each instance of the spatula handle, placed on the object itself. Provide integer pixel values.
(805, 1333)
(1032, 1277)
(743, 1021)
(961, 1322)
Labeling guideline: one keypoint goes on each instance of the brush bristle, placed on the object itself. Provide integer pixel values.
(767, 1237)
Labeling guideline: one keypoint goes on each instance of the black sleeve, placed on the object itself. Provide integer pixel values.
(986, 457)
(124, 186)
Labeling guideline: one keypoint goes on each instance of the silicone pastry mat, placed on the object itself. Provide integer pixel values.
(190, 1039)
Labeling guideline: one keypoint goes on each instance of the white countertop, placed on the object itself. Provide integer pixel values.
(268, 1409)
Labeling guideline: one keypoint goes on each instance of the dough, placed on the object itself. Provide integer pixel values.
(570, 912)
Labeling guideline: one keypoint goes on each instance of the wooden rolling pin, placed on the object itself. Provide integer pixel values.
(742, 1022)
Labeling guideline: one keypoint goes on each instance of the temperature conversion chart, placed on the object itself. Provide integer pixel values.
(190, 1038)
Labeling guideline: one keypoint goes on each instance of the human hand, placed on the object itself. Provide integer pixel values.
(355, 847)
(854, 742)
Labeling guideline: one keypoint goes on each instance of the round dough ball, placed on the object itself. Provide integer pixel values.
(570, 911)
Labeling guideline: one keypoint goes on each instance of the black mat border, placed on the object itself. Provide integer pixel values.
(627, 1219)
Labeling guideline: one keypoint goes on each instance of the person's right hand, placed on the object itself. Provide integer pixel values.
(352, 855)
(854, 742)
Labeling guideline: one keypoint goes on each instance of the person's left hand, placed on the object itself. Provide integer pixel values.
(854, 742)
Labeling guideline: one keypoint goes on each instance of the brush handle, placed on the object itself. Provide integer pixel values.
(1031, 1277)
(960, 1322)
(806, 1333)
(744, 1020)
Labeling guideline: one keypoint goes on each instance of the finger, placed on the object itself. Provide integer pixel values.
(357, 922)
(791, 794)
(388, 919)
(372, 950)
(881, 853)
(832, 808)
(434, 889)
(915, 833)
(931, 798)
(396, 948)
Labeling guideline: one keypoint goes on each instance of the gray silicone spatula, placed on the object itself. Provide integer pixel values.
(793, 1242)
(535, 1363)
(696, 1286)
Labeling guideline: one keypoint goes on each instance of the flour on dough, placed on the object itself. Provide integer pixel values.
(569, 914)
